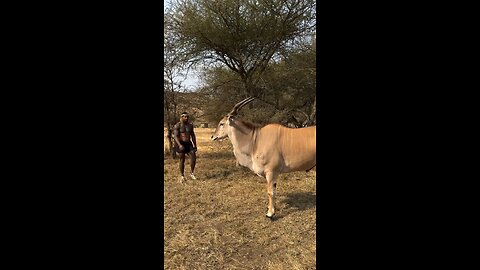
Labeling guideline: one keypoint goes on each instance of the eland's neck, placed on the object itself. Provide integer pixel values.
(242, 137)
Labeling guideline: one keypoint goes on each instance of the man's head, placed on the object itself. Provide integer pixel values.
(184, 117)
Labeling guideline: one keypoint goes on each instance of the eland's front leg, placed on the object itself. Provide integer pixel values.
(271, 190)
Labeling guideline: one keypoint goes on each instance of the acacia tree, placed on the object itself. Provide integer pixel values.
(288, 87)
(243, 35)
(291, 84)
(221, 90)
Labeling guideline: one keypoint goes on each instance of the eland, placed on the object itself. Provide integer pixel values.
(166, 143)
(269, 150)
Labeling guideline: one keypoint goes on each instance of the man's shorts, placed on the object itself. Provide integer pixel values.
(188, 147)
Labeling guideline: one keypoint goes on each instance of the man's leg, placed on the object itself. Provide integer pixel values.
(182, 165)
(193, 159)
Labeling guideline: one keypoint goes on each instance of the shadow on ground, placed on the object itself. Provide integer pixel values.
(216, 155)
(296, 201)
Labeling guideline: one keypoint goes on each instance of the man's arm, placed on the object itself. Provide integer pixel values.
(194, 138)
(176, 133)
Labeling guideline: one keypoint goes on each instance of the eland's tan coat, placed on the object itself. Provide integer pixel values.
(269, 150)
(166, 143)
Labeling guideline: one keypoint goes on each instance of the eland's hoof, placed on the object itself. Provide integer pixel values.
(270, 216)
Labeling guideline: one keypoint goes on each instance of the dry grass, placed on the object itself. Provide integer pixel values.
(218, 221)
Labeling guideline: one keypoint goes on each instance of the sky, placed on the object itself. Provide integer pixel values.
(192, 81)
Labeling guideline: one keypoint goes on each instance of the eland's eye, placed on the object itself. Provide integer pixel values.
(221, 124)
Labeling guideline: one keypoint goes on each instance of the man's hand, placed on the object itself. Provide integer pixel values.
(195, 149)
(181, 147)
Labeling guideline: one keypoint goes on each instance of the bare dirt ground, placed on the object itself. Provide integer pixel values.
(218, 221)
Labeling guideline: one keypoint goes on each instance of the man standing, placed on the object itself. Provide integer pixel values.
(185, 143)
